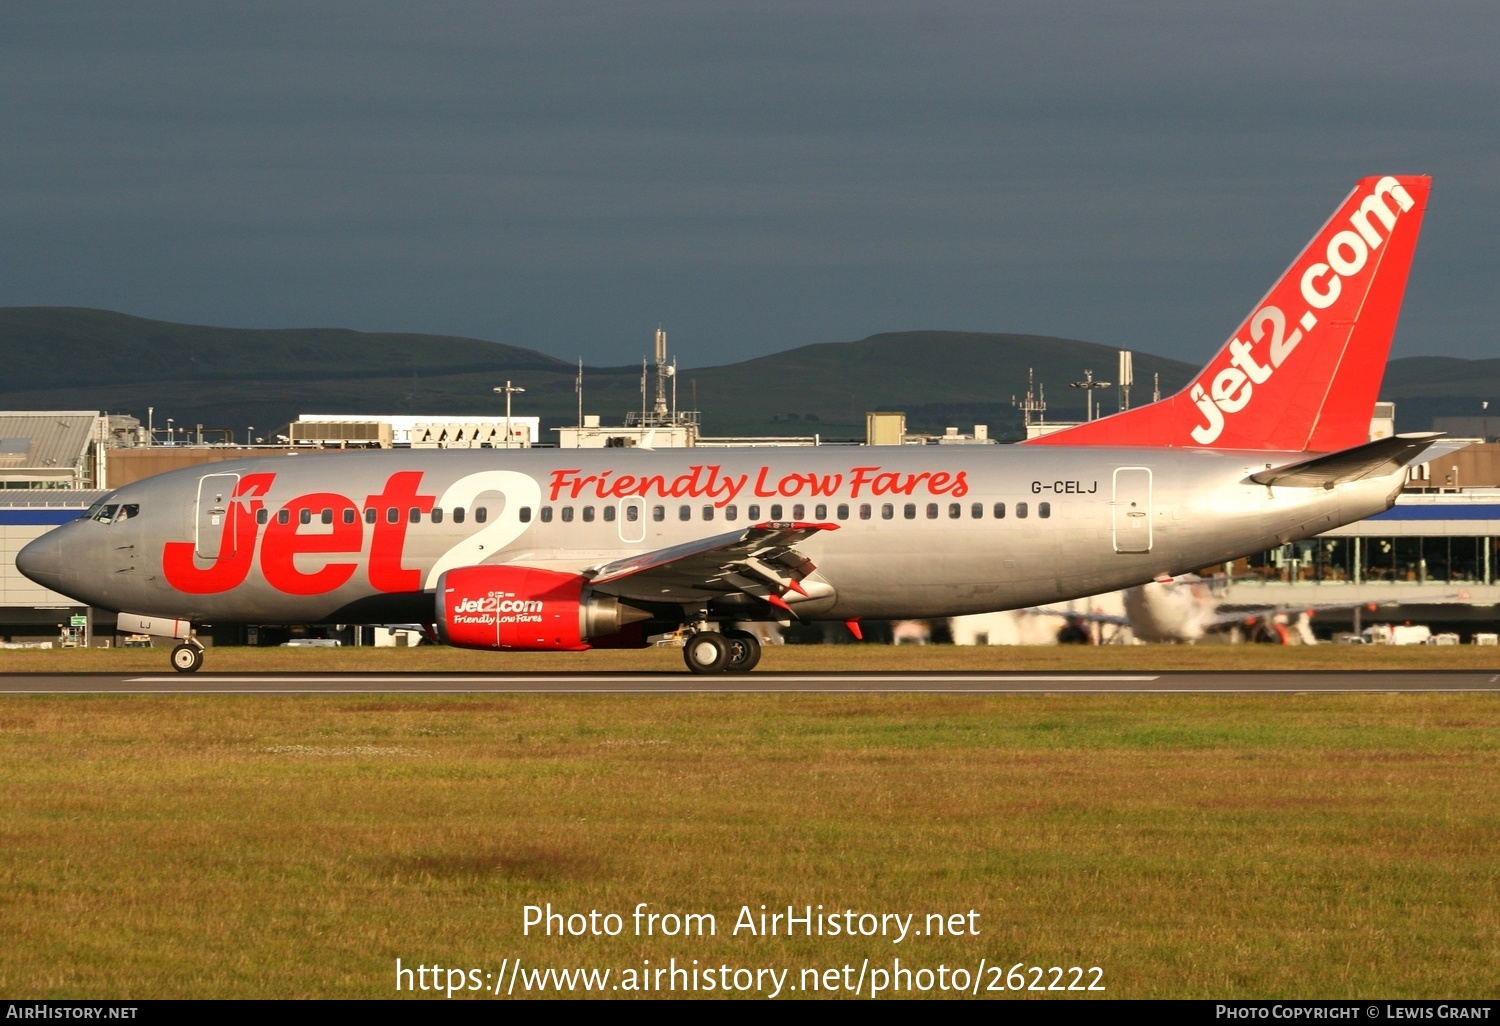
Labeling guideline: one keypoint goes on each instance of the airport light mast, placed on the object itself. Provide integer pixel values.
(509, 391)
(1088, 384)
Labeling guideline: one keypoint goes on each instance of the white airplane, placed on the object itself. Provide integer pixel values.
(1186, 609)
(565, 550)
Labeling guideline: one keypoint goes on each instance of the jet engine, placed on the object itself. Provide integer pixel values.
(519, 607)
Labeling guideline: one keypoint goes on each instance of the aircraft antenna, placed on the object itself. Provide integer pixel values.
(1032, 403)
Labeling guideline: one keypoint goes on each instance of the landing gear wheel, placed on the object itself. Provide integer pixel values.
(744, 651)
(187, 658)
(706, 652)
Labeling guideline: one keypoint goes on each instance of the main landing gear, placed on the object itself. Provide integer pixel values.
(188, 656)
(721, 652)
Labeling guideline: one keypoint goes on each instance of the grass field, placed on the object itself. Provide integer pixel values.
(1201, 846)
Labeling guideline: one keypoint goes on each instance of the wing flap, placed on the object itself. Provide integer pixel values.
(760, 560)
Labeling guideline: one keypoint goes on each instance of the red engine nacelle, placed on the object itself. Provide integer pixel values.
(520, 607)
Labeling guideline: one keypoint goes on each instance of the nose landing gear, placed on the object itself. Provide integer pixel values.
(187, 657)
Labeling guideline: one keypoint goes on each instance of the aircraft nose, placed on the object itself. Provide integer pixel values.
(41, 560)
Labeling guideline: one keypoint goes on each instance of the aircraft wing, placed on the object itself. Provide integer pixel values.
(1111, 618)
(760, 560)
(1226, 615)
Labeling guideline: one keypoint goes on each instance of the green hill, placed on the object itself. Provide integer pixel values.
(64, 358)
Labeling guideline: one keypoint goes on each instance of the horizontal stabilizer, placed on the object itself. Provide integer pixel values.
(1373, 459)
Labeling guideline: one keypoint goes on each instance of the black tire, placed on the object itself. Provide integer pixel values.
(706, 652)
(187, 658)
(744, 651)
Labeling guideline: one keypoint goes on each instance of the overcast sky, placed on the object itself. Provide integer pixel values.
(564, 176)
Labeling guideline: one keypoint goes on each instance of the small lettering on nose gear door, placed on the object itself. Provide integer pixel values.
(213, 517)
(1131, 511)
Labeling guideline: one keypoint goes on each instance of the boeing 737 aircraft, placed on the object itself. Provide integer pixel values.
(557, 549)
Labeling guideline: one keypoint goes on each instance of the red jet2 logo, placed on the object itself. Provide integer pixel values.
(283, 542)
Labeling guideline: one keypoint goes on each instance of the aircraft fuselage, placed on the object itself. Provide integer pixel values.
(362, 537)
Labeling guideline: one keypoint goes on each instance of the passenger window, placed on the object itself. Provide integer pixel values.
(458, 514)
(414, 515)
(349, 516)
(546, 514)
(999, 511)
(932, 511)
(799, 512)
(977, 511)
(524, 514)
(1044, 510)
(588, 514)
(658, 513)
(283, 516)
(753, 512)
(910, 512)
(437, 514)
(820, 512)
(304, 516)
(609, 514)
(684, 512)
(731, 512)
(481, 514)
(864, 511)
(955, 510)
(708, 512)
(632, 513)
(1020, 511)
(887, 511)
(327, 516)
(392, 515)
(263, 516)
(843, 511)
(371, 514)
(776, 511)
(567, 514)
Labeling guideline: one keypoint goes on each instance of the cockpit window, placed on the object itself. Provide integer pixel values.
(105, 514)
(128, 510)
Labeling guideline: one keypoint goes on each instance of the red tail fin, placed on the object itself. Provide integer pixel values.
(1302, 373)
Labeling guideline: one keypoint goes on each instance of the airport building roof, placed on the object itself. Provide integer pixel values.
(46, 448)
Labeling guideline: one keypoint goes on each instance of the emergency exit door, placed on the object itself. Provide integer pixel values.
(1131, 512)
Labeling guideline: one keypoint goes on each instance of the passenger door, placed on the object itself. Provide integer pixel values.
(212, 517)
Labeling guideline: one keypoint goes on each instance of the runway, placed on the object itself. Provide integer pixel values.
(1181, 683)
